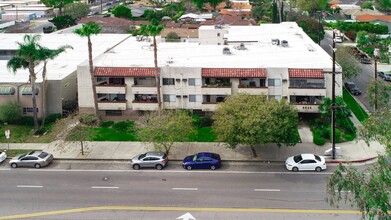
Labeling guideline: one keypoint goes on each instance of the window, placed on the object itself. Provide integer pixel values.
(274, 82)
(218, 34)
(7, 90)
(169, 98)
(28, 110)
(194, 82)
(168, 81)
(195, 98)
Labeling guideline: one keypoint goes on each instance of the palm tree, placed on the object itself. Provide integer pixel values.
(153, 30)
(87, 30)
(28, 56)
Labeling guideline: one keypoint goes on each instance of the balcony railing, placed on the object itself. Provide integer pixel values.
(307, 91)
(111, 89)
(218, 90)
(254, 90)
(145, 105)
(112, 105)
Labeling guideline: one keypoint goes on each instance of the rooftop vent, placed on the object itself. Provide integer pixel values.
(170, 60)
(241, 47)
(226, 51)
(218, 26)
(275, 42)
(284, 43)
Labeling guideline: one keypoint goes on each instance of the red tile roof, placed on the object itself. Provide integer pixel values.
(233, 72)
(124, 71)
(369, 18)
(306, 73)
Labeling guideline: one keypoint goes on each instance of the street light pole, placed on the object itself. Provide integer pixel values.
(333, 101)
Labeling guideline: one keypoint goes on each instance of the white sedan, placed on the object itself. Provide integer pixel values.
(306, 162)
(3, 156)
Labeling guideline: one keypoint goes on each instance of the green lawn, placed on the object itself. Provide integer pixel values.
(14, 152)
(357, 110)
(23, 134)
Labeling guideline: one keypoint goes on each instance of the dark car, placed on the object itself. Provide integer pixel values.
(203, 160)
(365, 60)
(48, 29)
(352, 88)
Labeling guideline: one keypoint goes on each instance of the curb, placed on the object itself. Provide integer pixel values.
(352, 161)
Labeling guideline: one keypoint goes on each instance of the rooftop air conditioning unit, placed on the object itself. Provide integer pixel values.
(226, 51)
(275, 42)
(284, 43)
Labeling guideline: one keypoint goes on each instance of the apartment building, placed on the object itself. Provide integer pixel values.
(277, 60)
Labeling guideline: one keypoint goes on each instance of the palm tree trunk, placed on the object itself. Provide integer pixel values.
(253, 152)
(43, 105)
(157, 77)
(93, 79)
(33, 97)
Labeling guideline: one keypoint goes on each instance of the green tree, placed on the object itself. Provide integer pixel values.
(253, 119)
(153, 30)
(199, 4)
(63, 21)
(310, 26)
(172, 37)
(87, 30)
(29, 54)
(10, 112)
(173, 8)
(310, 6)
(165, 128)
(350, 65)
(342, 111)
(367, 5)
(383, 5)
(275, 17)
(121, 11)
(214, 3)
(379, 91)
(362, 39)
(60, 4)
(262, 11)
(77, 10)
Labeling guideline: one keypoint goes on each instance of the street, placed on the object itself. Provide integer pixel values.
(95, 190)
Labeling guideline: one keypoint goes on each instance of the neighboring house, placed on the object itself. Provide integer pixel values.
(195, 17)
(376, 19)
(61, 91)
(231, 20)
(284, 63)
(111, 24)
(138, 10)
(185, 35)
(353, 13)
(241, 10)
(38, 11)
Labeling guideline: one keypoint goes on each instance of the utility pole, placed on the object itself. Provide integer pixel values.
(333, 100)
(376, 54)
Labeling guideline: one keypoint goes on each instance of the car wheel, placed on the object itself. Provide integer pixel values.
(136, 167)
(213, 167)
(318, 169)
(37, 165)
(295, 169)
(189, 167)
(159, 167)
(14, 165)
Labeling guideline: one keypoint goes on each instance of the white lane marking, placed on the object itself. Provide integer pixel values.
(192, 189)
(28, 186)
(104, 187)
(185, 171)
(5, 169)
(267, 190)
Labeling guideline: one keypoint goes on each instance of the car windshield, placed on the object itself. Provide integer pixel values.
(297, 158)
(43, 155)
(195, 157)
(142, 156)
(21, 156)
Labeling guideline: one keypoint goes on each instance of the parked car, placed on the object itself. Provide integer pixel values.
(338, 39)
(3, 156)
(385, 75)
(365, 60)
(306, 162)
(155, 159)
(352, 88)
(48, 29)
(35, 159)
(202, 160)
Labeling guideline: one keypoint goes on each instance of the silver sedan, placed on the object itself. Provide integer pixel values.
(35, 159)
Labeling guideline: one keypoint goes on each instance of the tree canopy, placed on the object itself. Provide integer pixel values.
(121, 11)
(310, 6)
(77, 10)
(383, 5)
(255, 119)
(63, 21)
(60, 4)
(350, 65)
(165, 128)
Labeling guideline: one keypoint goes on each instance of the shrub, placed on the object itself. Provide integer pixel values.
(10, 112)
(40, 131)
(123, 126)
(106, 124)
(53, 118)
(348, 137)
(196, 120)
(88, 119)
(318, 139)
(338, 135)
(205, 121)
(25, 120)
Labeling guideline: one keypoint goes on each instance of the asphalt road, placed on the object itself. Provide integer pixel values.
(361, 80)
(94, 190)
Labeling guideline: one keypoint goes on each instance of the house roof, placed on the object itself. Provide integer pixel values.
(124, 71)
(357, 12)
(230, 19)
(181, 32)
(234, 72)
(306, 73)
(369, 18)
(197, 16)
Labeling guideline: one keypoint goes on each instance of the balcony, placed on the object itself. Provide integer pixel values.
(148, 105)
(111, 89)
(253, 90)
(144, 89)
(209, 106)
(214, 90)
(112, 105)
(307, 91)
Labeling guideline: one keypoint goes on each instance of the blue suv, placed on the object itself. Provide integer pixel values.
(203, 160)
